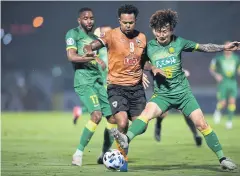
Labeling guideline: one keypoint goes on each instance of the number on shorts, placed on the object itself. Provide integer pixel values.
(94, 99)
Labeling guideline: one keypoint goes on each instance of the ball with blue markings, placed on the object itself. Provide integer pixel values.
(113, 159)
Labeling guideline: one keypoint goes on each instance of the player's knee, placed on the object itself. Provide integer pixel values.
(222, 104)
(123, 125)
(201, 125)
(96, 117)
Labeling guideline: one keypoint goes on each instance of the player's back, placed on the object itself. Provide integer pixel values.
(124, 57)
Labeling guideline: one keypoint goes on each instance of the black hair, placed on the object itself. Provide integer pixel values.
(128, 9)
(162, 18)
(84, 9)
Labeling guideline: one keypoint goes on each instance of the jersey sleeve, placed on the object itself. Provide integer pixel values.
(106, 39)
(71, 39)
(189, 46)
(213, 64)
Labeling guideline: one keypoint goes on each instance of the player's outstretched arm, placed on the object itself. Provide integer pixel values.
(74, 57)
(232, 46)
(94, 45)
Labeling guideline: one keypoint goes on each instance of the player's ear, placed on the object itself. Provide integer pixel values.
(78, 20)
(119, 20)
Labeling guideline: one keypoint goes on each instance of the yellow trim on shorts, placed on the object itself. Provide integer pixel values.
(143, 118)
(71, 47)
(91, 126)
(110, 126)
(207, 131)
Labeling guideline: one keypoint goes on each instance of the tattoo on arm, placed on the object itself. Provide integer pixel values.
(96, 44)
(210, 47)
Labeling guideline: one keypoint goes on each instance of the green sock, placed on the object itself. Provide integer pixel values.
(213, 143)
(87, 134)
(137, 128)
(231, 111)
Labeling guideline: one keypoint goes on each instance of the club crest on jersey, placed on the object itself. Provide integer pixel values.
(70, 41)
(171, 50)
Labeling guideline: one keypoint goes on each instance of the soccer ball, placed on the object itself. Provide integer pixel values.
(113, 159)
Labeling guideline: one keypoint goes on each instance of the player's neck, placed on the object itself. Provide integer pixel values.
(84, 30)
(127, 35)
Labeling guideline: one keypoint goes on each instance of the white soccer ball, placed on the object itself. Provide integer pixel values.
(113, 159)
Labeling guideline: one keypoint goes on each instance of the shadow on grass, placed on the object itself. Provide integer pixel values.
(214, 168)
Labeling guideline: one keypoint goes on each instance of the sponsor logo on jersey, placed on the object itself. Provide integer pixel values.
(165, 62)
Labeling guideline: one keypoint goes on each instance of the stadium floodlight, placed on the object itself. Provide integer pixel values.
(7, 39)
(38, 21)
(2, 33)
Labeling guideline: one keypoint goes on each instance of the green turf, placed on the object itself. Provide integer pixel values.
(40, 144)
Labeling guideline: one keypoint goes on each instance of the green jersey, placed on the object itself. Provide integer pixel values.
(226, 67)
(102, 54)
(168, 58)
(87, 72)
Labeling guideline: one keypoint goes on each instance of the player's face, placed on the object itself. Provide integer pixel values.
(127, 23)
(86, 20)
(227, 53)
(163, 35)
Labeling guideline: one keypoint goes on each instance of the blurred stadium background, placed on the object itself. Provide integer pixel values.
(36, 75)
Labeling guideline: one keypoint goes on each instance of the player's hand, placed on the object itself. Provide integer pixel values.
(158, 71)
(101, 63)
(232, 46)
(145, 81)
(186, 72)
(218, 78)
(88, 51)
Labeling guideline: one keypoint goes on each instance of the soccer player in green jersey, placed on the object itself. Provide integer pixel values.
(158, 124)
(174, 90)
(88, 81)
(224, 68)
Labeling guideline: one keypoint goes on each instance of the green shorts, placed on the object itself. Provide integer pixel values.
(94, 97)
(184, 102)
(225, 91)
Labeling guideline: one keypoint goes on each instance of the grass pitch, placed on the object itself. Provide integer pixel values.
(42, 144)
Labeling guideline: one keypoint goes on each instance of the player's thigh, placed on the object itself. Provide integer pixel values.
(188, 103)
(89, 97)
(157, 106)
(118, 102)
(103, 99)
(137, 103)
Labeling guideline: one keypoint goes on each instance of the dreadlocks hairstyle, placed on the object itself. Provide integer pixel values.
(84, 9)
(128, 9)
(162, 18)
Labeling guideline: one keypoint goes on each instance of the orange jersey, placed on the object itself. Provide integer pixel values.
(124, 57)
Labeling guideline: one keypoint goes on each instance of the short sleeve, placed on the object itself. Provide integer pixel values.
(189, 46)
(106, 39)
(71, 39)
(213, 64)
